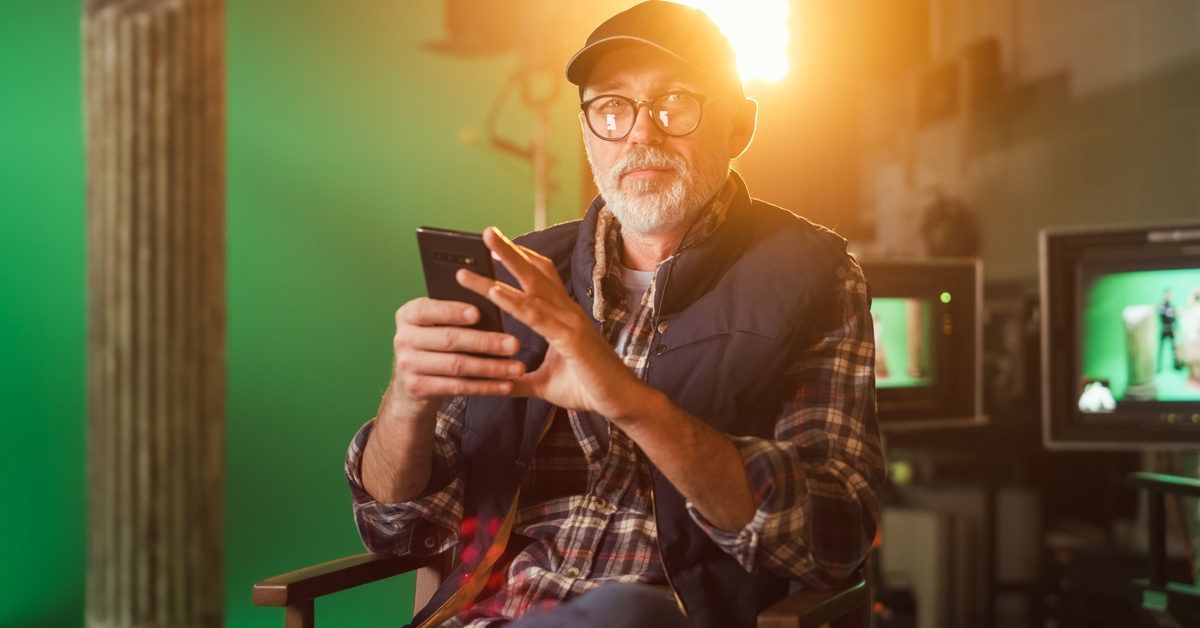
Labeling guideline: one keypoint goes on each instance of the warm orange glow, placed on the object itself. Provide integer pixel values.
(758, 30)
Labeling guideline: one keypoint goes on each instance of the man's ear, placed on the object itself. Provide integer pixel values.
(741, 126)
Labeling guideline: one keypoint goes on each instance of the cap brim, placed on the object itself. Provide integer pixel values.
(580, 66)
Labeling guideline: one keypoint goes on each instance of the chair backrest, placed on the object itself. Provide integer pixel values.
(1155, 592)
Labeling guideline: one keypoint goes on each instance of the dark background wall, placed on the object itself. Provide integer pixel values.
(1085, 114)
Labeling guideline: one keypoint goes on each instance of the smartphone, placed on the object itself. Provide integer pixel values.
(443, 252)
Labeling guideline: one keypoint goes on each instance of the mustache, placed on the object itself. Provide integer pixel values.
(648, 156)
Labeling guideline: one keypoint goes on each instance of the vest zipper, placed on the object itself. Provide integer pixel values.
(455, 603)
(658, 543)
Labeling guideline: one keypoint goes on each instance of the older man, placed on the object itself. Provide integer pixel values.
(682, 418)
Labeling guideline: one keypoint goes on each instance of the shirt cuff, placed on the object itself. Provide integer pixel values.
(762, 470)
(422, 527)
(742, 545)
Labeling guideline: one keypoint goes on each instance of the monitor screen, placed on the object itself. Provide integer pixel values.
(926, 315)
(1121, 337)
(903, 349)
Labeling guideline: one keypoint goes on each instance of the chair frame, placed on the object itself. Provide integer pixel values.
(296, 592)
(1156, 592)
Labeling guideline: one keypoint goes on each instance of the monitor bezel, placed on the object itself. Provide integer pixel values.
(1067, 257)
(956, 399)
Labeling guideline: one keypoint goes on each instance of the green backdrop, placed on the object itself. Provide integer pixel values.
(344, 135)
(891, 332)
(42, 502)
(1103, 333)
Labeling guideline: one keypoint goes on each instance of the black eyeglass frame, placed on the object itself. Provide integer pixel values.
(649, 102)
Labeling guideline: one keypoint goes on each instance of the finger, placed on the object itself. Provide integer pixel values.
(541, 307)
(544, 264)
(513, 257)
(456, 365)
(454, 339)
(545, 317)
(425, 312)
(474, 281)
(433, 386)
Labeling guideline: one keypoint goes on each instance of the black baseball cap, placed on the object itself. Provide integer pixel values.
(684, 32)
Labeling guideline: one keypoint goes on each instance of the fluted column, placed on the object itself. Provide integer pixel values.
(155, 120)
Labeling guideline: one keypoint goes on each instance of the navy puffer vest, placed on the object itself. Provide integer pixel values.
(739, 307)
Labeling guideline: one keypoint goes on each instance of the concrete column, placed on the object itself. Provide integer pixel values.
(155, 123)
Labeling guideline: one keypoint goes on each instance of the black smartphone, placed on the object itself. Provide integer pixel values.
(443, 252)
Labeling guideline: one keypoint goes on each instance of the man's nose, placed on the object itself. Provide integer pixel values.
(645, 129)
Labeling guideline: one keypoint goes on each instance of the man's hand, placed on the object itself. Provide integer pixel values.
(435, 356)
(581, 371)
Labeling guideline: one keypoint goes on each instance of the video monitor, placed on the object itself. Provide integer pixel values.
(927, 341)
(1121, 337)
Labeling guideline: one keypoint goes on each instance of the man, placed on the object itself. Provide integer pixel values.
(1166, 318)
(682, 413)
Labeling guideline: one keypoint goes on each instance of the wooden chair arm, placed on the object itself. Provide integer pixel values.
(309, 583)
(809, 609)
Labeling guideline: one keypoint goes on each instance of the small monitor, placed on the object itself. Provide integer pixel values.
(1121, 337)
(928, 362)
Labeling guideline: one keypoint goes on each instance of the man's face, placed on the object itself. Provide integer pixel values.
(655, 183)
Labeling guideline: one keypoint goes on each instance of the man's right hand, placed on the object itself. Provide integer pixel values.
(437, 355)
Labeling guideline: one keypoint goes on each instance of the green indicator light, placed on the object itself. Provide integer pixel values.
(945, 297)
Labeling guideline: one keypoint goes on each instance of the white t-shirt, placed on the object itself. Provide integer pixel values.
(637, 282)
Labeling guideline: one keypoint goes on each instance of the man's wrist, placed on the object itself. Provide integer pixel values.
(643, 401)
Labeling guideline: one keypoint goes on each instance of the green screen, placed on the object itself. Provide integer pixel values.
(344, 134)
(1112, 299)
(42, 497)
(903, 340)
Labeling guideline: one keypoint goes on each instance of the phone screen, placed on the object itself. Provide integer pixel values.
(443, 252)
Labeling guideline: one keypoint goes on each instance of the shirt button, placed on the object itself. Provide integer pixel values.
(573, 572)
(429, 542)
(601, 502)
(662, 327)
(660, 349)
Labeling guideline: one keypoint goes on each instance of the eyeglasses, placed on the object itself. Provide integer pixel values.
(611, 117)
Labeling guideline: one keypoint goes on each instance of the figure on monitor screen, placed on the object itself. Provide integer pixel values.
(1166, 317)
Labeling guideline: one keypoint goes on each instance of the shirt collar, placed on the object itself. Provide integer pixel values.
(606, 274)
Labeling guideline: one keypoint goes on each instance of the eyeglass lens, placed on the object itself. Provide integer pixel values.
(613, 117)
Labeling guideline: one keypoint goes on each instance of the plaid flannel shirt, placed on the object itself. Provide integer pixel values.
(588, 511)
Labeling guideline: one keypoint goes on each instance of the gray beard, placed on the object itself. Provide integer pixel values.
(643, 210)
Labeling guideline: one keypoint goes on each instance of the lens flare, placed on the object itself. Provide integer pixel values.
(758, 31)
